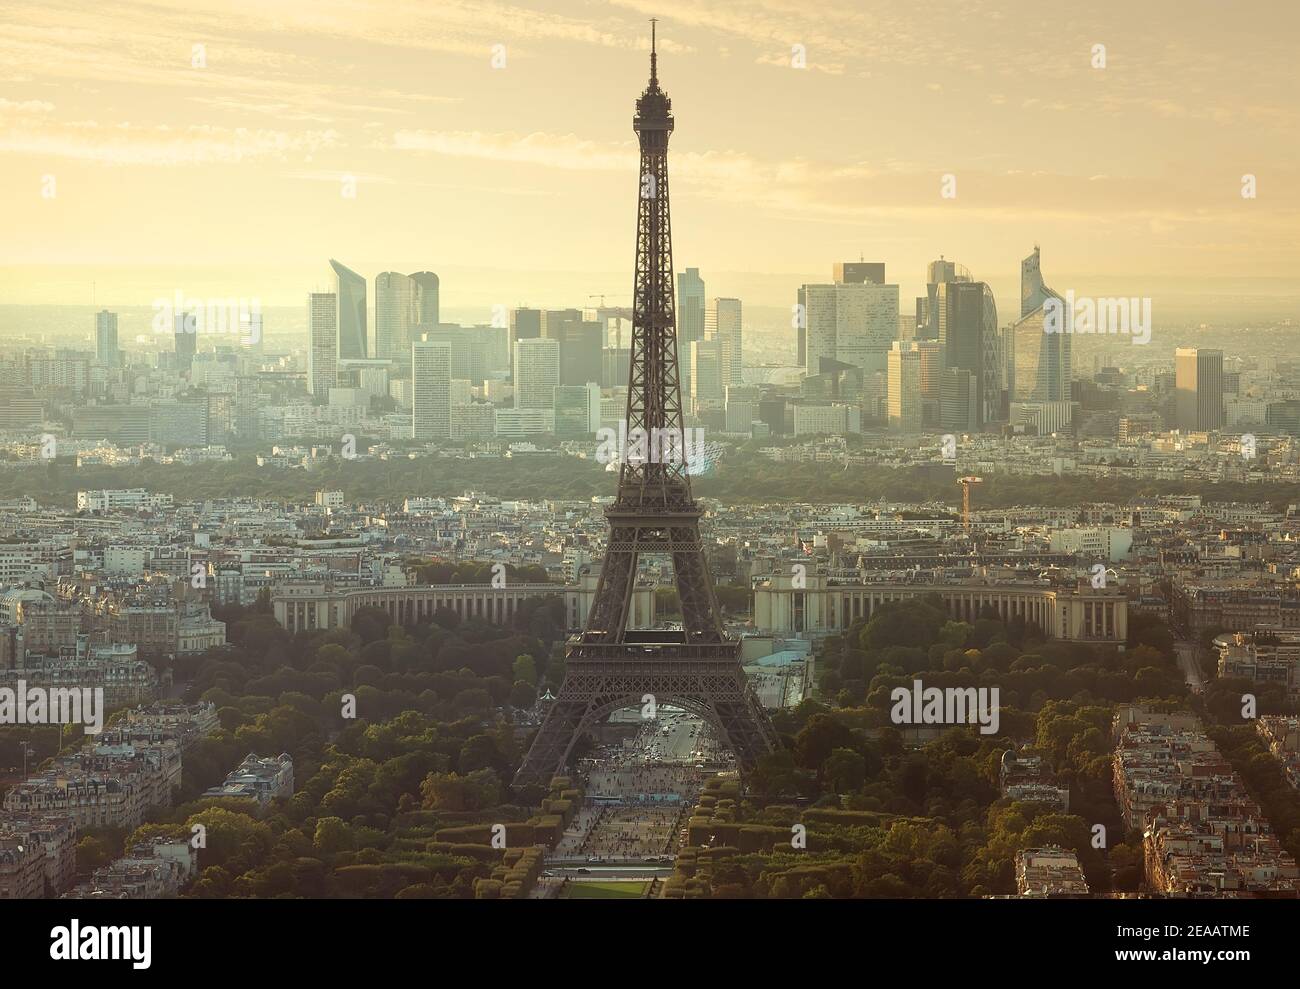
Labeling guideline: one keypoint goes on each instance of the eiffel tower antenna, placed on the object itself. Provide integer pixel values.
(612, 664)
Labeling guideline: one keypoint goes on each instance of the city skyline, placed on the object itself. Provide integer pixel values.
(861, 585)
(156, 163)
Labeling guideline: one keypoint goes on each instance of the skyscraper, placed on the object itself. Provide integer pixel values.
(1033, 293)
(708, 381)
(322, 344)
(537, 372)
(577, 410)
(958, 400)
(857, 272)
(1198, 384)
(350, 292)
(968, 338)
(690, 307)
(851, 322)
(927, 306)
(187, 340)
(1039, 366)
(722, 319)
(525, 324)
(427, 301)
(904, 397)
(395, 313)
(580, 343)
(106, 352)
(430, 390)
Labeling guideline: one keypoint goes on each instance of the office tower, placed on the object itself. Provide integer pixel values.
(904, 393)
(106, 352)
(958, 400)
(927, 306)
(467, 349)
(1033, 293)
(537, 372)
(395, 313)
(851, 322)
(1039, 368)
(430, 390)
(187, 340)
(690, 308)
(126, 425)
(857, 272)
(427, 305)
(1198, 397)
(722, 323)
(968, 338)
(708, 383)
(473, 421)
(525, 324)
(931, 367)
(742, 407)
(580, 343)
(615, 365)
(577, 410)
(350, 294)
(322, 345)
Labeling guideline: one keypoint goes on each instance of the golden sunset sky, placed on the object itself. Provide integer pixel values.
(518, 183)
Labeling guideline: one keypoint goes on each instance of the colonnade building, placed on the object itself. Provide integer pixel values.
(308, 605)
(799, 603)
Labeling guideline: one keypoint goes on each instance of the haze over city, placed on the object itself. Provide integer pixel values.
(511, 180)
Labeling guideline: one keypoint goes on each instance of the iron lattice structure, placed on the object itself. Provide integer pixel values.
(610, 666)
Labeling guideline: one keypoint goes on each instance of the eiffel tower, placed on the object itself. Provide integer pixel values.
(610, 666)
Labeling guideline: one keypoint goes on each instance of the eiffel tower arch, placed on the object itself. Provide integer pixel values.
(610, 666)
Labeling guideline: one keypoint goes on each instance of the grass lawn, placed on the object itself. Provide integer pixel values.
(583, 890)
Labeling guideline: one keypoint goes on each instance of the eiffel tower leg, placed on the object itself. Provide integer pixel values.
(550, 750)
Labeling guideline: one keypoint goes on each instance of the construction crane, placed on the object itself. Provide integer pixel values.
(965, 483)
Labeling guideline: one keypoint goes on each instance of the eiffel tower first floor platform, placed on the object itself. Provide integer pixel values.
(599, 678)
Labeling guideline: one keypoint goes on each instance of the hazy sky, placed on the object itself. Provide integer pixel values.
(228, 179)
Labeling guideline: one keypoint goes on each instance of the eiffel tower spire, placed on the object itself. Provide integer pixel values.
(611, 664)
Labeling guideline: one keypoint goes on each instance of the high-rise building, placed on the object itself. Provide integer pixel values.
(525, 324)
(106, 352)
(958, 400)
(350, 294)
(1198, 397)
(850, 322)
(708, 382)
(580, 343)
(857, 272)
(322, 345)
(905, 388)
(722, 319)
(927, 306)
(1033, 293)
(968, 337)
(577, 410)
(427, 302)
(395, 313)
(931, 358)
(537, 372)
(187, 340)
(1039, 365)
(430, 390)
(690, 307)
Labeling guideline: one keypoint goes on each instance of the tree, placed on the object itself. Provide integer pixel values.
(525, 669)
(844, 770)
